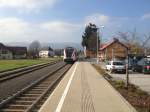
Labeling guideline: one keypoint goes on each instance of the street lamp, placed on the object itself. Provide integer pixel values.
(98, 41)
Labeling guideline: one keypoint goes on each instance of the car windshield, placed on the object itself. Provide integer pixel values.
(147, 62)
(118, 63)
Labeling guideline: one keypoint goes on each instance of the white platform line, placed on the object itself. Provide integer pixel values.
(60, 104)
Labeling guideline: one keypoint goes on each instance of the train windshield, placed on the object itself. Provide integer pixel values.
(69, 52)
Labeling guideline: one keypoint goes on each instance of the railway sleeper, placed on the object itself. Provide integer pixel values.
(22, 102)
(45, 83)
(31, 95)
(36, 89)
(40, 87)
(12, 106)
(12, 110)
(27, 98)
(35, 92)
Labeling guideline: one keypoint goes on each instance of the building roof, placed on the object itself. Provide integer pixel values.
(46, 49)
(2, 46)
(104, 46)
(16, 50)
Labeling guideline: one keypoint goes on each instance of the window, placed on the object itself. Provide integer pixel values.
(4, 51)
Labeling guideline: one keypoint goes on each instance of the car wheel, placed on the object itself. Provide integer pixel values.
(143, 71)
(110, 71)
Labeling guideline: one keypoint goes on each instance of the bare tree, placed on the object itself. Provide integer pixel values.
(134, 42)
(34, 49)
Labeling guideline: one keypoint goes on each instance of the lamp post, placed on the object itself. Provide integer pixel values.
(98, 43)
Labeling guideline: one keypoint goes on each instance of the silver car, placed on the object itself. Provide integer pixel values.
(116, 66)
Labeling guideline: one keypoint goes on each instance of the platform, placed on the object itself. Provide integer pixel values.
(83, 89)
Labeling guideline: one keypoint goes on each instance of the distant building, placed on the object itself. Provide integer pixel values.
(43, 54)
(18, 52)
(5, 53)
(9, 52)
(46, 52)
(113, 50)
(59, 52)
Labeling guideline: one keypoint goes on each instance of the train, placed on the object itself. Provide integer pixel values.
(70, 55)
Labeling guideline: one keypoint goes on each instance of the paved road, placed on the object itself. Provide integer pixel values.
(141, 80)
(138, 79)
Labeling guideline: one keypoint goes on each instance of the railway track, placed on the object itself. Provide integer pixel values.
(32, 97)
(9, 75)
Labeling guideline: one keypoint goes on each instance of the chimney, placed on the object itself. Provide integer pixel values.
(115, 39)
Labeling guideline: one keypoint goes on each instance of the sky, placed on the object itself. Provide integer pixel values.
(65, 20)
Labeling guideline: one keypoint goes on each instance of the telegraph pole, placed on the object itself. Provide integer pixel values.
(97, 44)
(127, 71)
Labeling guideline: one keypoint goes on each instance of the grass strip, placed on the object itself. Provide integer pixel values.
(6, 65)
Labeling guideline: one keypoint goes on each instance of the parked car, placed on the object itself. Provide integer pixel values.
(143, 66)
(116, 66)
(146, 66)
(137, 68)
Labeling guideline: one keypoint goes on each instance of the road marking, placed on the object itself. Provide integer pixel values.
(60, 104)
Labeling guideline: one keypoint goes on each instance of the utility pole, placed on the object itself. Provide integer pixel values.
(97, 44)
(112, 54)
(127, 67)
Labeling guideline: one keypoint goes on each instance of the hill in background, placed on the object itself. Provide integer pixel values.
(52, 45)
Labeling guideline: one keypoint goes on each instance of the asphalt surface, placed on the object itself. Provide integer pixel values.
(10, 87)
(139, 79)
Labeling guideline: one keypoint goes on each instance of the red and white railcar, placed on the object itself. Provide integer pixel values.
(70, 54)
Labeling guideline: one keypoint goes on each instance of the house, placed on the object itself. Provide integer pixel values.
(18, 52)
(43, 54)
(12, 52)
(5, 53)
(46, 52)
(113, 50)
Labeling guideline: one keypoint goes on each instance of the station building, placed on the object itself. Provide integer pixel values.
(113, 50)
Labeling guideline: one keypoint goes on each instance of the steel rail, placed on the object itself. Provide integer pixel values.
(9, 76)
(61, 70)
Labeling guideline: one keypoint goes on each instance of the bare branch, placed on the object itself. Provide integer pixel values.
(146, 41)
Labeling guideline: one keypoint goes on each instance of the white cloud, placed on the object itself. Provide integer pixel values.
(12, 26)
(146, 16)
(99, 19)
(14, 29)
(102, 19)
(112, 24)
(60, 26)
(27, 4)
